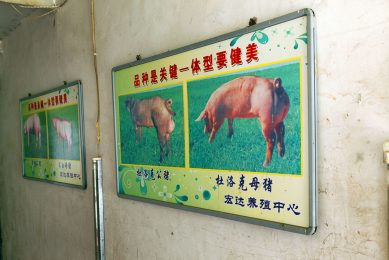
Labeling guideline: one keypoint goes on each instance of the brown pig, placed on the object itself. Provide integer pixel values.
(153, 112)
(248, 97)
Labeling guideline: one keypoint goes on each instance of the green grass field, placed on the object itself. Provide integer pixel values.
(33, 149)
(58, 148)
(246, 149)
(147, 151)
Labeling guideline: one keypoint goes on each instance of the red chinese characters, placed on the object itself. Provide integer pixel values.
(154, 77)
(208, 63)
(251, 52)
(145, 78)
(236, 56)
(49, 102)
(136, 81)
(222, 59)
(195, 66)
(163, 74)
(173, 71)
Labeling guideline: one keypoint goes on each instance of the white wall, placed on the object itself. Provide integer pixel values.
(43, 221)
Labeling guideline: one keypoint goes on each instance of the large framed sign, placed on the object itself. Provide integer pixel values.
(52, 133)
(225, 126)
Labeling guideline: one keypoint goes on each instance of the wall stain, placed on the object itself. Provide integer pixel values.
(360, 157)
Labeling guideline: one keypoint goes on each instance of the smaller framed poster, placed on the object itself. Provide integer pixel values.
(52, 136)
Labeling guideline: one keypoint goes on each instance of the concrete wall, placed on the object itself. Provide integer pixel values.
(43, 221)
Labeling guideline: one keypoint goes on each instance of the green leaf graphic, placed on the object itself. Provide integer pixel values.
(262, 38)
(303, 39)
(296, 45)
(232, 43)
(179, 202)
(182, 198)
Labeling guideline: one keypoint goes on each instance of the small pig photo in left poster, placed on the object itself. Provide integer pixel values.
(63, 133)
(34, 135)
(52, 136)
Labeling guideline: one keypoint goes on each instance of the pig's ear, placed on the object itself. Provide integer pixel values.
(277, 83)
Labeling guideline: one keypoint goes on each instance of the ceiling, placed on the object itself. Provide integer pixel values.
(12, 12)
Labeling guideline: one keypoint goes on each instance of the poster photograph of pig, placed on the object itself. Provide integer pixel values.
(246, 121)
(34, 135)
(62, 133)
(152, 127)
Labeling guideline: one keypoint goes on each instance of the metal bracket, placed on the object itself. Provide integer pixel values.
(99, 208)
(252, 21)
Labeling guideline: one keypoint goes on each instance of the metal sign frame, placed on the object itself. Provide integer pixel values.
(310, 132)
(63, 162)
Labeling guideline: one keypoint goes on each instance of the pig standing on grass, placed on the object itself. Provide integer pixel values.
(33, 124)
(63, 129)
(153, 112)
(248, 97)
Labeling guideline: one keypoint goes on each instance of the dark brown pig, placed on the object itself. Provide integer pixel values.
(248, 97)
(153, 112)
